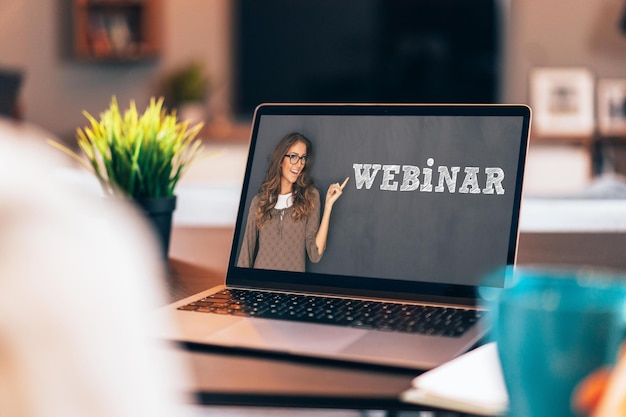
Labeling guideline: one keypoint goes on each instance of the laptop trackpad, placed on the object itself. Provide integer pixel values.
(286, 336)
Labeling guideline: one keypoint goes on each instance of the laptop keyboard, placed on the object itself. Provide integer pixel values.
(408, 318)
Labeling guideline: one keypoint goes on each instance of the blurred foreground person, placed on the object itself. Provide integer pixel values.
(79, 279)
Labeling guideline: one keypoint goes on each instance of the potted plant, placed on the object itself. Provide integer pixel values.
(186, 88)
(139, 156)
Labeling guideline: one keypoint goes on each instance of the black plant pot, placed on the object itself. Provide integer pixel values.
(159, 212)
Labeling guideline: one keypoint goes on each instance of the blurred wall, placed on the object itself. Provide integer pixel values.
(35, 36)
(562, 33)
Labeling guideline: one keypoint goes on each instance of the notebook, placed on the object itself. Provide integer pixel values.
(429, 207)
(471, 383)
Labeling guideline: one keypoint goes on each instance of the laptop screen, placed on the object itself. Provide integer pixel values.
(430, 205)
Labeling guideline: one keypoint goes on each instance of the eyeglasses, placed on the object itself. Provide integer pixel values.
(295, 158)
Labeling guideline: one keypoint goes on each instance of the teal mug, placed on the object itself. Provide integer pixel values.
(553, 327)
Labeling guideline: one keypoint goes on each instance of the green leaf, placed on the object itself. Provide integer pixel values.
(136, 154)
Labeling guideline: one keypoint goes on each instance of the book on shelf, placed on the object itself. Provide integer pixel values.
(111, 34)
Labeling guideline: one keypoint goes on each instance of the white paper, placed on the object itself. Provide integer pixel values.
(472, 382)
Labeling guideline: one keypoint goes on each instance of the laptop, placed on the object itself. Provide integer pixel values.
(429, 209)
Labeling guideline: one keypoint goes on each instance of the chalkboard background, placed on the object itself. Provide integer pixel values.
(412, 235)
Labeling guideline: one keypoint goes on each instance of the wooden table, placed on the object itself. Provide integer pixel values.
(198, 260)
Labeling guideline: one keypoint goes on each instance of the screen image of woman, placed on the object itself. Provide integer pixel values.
(283, 225)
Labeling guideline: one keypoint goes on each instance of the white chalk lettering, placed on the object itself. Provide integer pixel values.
(494, 181)
(365, 175)
(427, 186)
(470, 181)
(389, 172)
(449, 179)
(410, 180)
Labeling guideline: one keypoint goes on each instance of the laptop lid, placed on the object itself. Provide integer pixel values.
(431, 205)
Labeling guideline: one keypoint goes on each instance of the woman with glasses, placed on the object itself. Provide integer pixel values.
(283, 224)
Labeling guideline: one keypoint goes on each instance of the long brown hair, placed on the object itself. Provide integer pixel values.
(303, 188)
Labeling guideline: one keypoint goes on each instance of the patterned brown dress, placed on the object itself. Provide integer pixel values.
(283, 243)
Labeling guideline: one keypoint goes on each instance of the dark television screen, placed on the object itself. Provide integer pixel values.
(419, 51)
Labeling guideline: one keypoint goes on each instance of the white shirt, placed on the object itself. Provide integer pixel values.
(284, 201)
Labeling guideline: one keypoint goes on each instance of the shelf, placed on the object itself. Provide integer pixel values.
(116, 30)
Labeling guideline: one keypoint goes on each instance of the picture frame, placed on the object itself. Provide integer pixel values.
(562, 100)
(611, 98)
